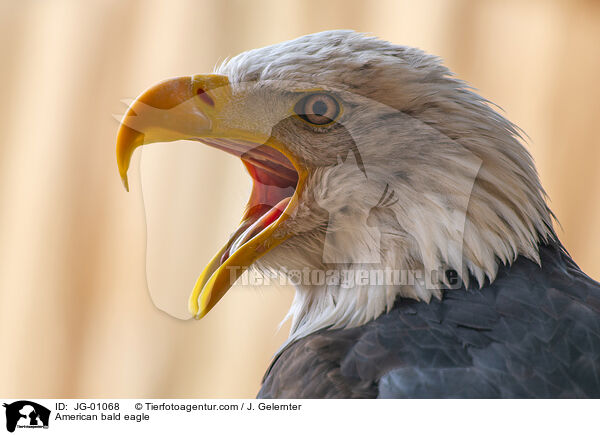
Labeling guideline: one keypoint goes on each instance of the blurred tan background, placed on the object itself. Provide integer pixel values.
(76, 319)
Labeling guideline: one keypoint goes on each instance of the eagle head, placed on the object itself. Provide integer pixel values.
(364, 156)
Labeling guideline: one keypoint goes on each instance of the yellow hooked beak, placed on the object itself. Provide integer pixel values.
(193, 108)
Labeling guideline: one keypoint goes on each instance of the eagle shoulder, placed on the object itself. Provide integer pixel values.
(533, 333)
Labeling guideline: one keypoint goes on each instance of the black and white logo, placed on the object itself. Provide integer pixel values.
(26, 414)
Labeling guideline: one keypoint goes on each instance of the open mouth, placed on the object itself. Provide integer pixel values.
(274, 182)
(181, 108)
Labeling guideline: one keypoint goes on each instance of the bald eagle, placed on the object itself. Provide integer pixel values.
(406, 209)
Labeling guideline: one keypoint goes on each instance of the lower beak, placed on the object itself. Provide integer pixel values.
(192, 108)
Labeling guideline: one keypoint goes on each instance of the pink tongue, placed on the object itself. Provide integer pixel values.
(260, 224)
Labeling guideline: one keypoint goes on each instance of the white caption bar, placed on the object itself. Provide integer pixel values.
(143, 416)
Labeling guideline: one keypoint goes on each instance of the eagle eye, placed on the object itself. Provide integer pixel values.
(318, 109)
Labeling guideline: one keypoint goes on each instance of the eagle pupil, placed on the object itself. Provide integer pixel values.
(319, 108)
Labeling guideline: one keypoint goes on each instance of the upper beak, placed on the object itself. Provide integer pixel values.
(192, 108)
(167, 112)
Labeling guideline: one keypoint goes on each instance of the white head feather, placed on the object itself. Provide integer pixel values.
(466, 193)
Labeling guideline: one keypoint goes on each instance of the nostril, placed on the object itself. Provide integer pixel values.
(205, 97)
